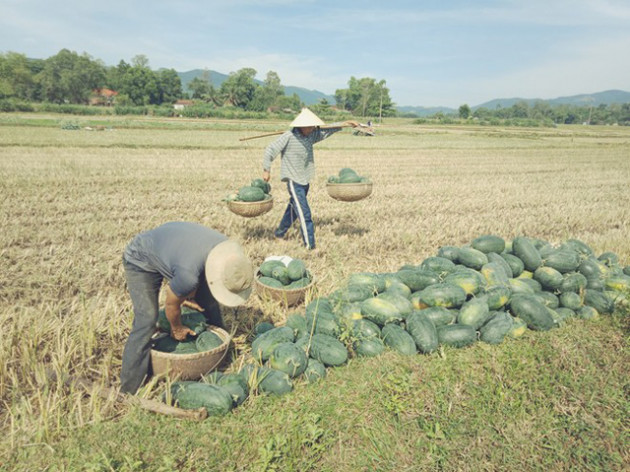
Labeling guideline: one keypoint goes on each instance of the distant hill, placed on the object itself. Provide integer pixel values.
(425, 111)
(608, 97)
(595, 99)
(308, 97)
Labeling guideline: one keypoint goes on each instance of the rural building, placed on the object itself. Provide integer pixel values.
(103, 97)
(181, 104)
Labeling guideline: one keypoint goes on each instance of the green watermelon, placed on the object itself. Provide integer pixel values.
(288, 358)
(251, 194)
(422, 331)
(471, 257)
(532, 311)
(395, 337)
(267, 267)
(548, 277)
(456, 335)
(526, 252)
(364, 328)
(328, 350)
(315, 371)
(417, 279)
(208, 341)
(489, 243)
(437, 264)
(469, 280)
(273, 381)
(380, 311)
(474, 312)
(369, 347)
(261, 184)
(236, 385)
(563, 260)
(193, 395)
(263, 345)
(496, 328)
(439, 315)
(296, 269)
(443, 294)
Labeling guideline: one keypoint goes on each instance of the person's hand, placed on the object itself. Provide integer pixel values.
(266, 175)
(192, 304)
(181, 332)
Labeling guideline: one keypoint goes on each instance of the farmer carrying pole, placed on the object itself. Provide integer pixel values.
(298, 168)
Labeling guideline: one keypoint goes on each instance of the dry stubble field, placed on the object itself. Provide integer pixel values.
(71, 199)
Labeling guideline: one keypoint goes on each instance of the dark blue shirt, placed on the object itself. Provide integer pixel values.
(177, 250)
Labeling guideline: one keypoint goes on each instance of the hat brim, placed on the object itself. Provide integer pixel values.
(306, 119)
(215, 267)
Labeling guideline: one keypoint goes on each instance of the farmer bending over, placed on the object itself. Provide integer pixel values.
(202, 267)
(297, 169)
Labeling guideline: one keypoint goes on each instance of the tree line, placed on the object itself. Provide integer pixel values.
(70, 78)
(543, 113)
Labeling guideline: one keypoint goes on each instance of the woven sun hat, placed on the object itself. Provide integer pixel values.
(306, 118)
(229, 273)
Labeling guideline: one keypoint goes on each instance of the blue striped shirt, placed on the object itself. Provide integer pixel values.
(297, 164)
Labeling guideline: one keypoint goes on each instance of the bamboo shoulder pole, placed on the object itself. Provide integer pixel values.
(276, 133)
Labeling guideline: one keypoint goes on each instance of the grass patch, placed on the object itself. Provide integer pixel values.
(550, 401)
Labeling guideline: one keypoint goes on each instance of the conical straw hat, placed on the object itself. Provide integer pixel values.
(229, 274)
(306, 118)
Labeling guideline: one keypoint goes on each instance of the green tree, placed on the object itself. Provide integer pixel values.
(322, 108)
(116, 75)
(267, 95)
(519, 110)
(365, 97)
(239, 88)
(272, 86)
(138, 82)
(541, 111)
(464, 111)
(482, 113)
(17, 76)
(170, 86)
(292, 102)
(68, 77)
(203, 89)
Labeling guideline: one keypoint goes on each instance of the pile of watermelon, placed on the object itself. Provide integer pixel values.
(257, 191)
(276, 273)
(347, 176)
(486, 291)
(203, 340)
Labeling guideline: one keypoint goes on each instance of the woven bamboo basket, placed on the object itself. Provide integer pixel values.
(288, 297)
(349, 192)
(250, 209)
(191, 366)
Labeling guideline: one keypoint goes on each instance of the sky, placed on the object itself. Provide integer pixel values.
(429, 52)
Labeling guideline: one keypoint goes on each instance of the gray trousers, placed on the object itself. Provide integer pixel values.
(144, 290)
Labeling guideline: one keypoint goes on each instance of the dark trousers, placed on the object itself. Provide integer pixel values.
(298, 210)
(144, 290)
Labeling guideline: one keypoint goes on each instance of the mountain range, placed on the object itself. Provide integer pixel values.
(311, 97)
(607, 97)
